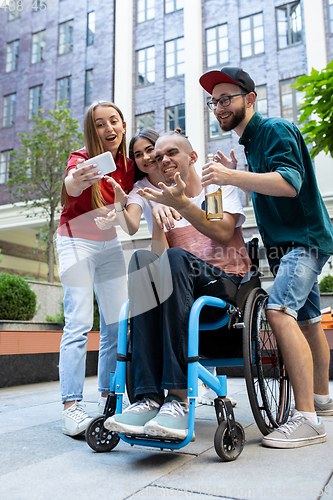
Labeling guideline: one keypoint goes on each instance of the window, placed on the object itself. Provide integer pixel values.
(89, 87)
(215, 131)
(12, 56)
(252, 35)
(289, 24)
(14, 13)
(174, 57)
(261, 104)
(35, 100)
(5, 158)
(8, 111)
(175, 117)
(172, 5)
(290, 101)
(64, 90)
(65, 37)
(38, 47)
(330, 7)
(217, 45)
(90, 27)
(146, 120)
(145, 66)
(145, 10)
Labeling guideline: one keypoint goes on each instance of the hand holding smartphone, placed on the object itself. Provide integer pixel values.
(105, 163)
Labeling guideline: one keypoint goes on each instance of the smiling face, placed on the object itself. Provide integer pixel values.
(110, 128)
(173, 154)
(229, 117)
(144, 155)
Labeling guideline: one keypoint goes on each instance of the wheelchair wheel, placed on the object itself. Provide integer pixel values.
(267, 382)
(99, 438)
(223, 443)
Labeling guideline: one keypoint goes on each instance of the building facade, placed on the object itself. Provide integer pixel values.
(147, 57)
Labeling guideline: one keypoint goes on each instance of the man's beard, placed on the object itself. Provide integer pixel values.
(234, 120)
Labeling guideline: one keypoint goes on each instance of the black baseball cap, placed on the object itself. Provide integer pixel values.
(237, 76)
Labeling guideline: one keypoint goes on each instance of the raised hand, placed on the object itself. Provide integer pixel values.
(225, 161)
(80, 178)
(120, 196)
(217, 172)
(170, 196)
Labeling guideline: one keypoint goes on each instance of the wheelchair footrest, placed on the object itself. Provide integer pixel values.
(155, 439)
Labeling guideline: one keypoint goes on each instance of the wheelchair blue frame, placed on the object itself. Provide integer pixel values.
(196, 368)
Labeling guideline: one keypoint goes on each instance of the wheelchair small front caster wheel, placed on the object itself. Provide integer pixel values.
(223, 442)
(99, 438)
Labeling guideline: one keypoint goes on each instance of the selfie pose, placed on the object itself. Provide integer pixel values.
(91, 259)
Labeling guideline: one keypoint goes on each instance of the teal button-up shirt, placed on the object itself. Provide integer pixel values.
(276, 145)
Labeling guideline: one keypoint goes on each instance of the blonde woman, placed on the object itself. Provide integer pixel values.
(91, 259)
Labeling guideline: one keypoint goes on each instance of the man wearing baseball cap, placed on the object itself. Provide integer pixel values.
(297, 233)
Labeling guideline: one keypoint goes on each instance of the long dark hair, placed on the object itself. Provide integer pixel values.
(152, 137)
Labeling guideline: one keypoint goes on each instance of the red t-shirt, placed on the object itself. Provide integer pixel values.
(77, 219)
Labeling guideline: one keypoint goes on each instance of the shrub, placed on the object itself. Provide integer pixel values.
(17, 301)
(326, 284)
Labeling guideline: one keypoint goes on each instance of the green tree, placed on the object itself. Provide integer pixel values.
(38, 167)
(318, 102)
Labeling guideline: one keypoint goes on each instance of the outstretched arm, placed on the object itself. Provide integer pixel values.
(218, 230)
(224, 173)
(80, 178)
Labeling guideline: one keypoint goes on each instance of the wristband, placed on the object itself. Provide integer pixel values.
(117, 211)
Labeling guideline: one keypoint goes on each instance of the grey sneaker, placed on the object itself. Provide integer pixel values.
(171, 420)
(298, 431)
(75, 420)
(324, 409)
(133, 418)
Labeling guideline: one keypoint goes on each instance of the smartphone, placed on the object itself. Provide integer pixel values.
(104, 162)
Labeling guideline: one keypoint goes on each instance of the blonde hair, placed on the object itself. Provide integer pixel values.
(94, 147)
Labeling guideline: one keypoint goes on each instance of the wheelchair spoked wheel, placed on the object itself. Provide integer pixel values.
(99, 438)
(223, 442)
(267, 382)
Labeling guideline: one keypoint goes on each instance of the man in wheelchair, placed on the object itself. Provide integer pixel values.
(194, 257)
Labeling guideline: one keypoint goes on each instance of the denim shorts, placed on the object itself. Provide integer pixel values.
(295, 290)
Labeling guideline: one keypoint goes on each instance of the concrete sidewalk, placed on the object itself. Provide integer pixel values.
(37, 462)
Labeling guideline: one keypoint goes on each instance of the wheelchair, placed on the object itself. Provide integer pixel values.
(268, 387)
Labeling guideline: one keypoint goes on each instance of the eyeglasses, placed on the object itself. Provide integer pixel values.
(224, 101)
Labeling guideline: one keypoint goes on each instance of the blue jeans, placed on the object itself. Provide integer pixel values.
(84, 266)
(295, 290)
(162, 291)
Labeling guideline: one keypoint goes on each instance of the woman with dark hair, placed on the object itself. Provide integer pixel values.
(91, 259)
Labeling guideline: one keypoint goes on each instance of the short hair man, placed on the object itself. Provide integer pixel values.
(297, 233)
(162, 290)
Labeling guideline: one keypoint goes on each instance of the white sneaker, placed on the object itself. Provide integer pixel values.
(100, 406)
(208, 396)
(75, 420)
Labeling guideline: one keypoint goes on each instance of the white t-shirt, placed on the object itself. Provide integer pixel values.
(146, 205)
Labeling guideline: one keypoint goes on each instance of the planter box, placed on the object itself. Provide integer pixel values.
(49, 296)
(326, 300)
(30, 357)
(29, 325)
